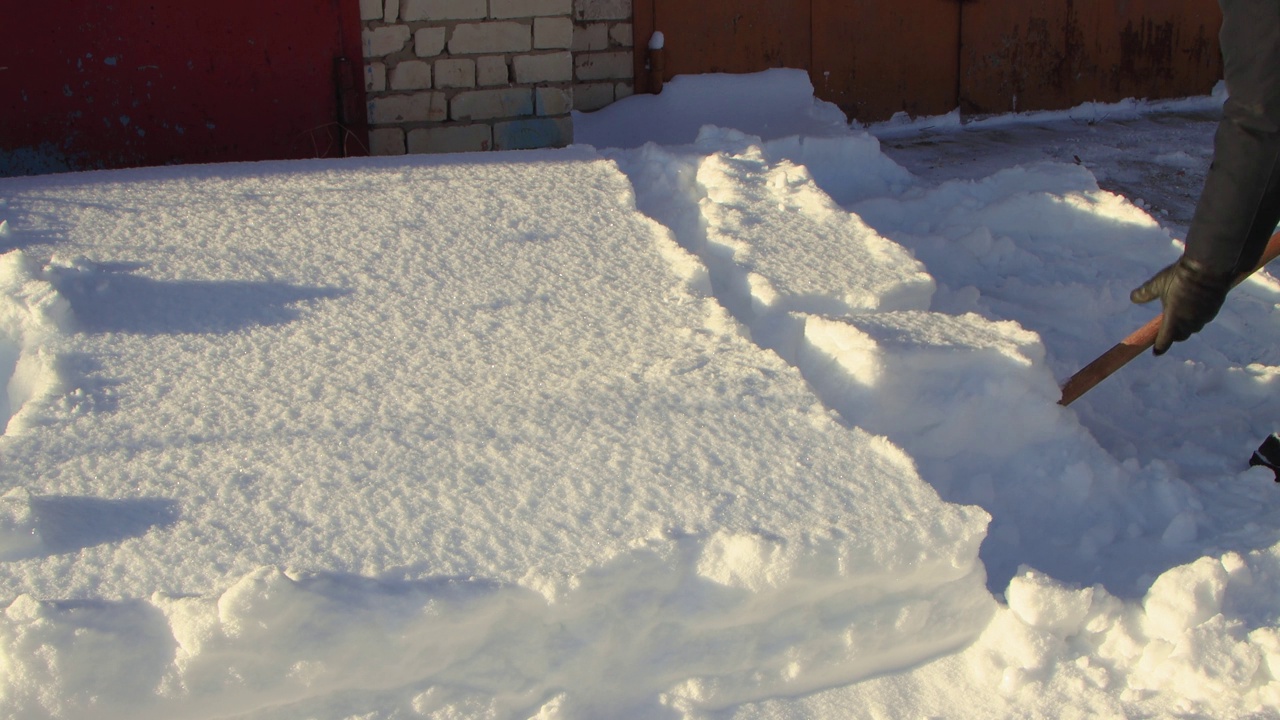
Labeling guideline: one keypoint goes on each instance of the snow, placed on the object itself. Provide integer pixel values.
(730, 411)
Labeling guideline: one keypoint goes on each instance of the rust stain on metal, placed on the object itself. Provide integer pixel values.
(923, 57)
(876, 59)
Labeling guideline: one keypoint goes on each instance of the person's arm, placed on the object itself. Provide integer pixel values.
(1240, 205)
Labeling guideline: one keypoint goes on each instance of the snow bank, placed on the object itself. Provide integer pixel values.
(972, 399)
(1202, 642)
(449, 446)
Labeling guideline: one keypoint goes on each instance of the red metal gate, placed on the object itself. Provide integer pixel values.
(123, 83)
(874, 59)
(928, 57)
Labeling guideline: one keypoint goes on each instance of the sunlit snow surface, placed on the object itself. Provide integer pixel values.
(757, 422)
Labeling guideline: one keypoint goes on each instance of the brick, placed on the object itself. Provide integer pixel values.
(436, 10)
(488, 104)
(494, 37)
(419, 107)
(532, 133)
(622, 35)
(383, 41)
(547, 68)
(553, 101)
(371, 9)
(605, 66)
(386, 141)
(451, 139)
(623, 90)
(375, 77)
(552, 33)
(592, 97)
(492, 70)
(502, 9)
(591, 37)
(411, 75)
(602, 9)
(428, 42)
(456, 73)
(391, 11)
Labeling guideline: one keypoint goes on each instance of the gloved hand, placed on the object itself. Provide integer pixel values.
(1191, 297)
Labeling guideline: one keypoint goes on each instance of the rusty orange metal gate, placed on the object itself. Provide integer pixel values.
(928, 57)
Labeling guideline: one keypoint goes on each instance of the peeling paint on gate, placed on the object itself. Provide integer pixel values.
(1019, 55)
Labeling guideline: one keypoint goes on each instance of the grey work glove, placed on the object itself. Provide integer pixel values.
(1191, 297)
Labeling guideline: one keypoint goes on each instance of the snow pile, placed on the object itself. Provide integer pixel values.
(754, 424)
(1202, 643)
(774, 104)
(445, 438)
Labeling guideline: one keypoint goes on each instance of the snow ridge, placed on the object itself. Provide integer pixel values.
(31, 313)
(971, 399)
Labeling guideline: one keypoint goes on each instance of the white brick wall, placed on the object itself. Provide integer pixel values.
(375, 77)
(529, 8)
(418, 107)
(371, 9)
(469, 75)
(491, 37)
(594, 36)
(385, 40)
(604, 66)
(435, 10)
(550, 68)
(456, 73)
(553, 101)
(491, 104)
(603, 54)
(602, 9)
(411, 75)
(552, 33)
(456, 138)
(492, 70)
(429, 42)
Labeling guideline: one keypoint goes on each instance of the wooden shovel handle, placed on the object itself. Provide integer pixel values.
(1138, 342)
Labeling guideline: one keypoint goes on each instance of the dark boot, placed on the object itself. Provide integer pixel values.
(1268, 455)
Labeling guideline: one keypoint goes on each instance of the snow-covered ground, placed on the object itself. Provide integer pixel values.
(730, 411)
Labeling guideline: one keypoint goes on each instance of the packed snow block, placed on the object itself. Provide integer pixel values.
(782, 245)
(32, 316)
(848, 168)
(449, 448)
(958, 386)
(973, 403)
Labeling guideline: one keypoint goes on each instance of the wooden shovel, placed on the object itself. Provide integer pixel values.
(1138, 342)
